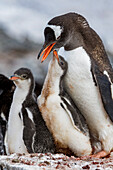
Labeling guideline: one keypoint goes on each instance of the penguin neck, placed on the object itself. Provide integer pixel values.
(61, 85)
(74, 40)
(52, 83)
(22, 93)
(31, 90)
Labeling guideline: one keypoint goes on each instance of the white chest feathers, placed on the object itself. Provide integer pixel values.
(14, 138)
(78, 61)
(79, 82)
(81, 87)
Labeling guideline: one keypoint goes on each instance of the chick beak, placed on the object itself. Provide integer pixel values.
(14, 78)
(56, 55)
(45, 52)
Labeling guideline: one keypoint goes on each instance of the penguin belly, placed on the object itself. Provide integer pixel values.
(64, 133)
(15, 131)
(80, 85)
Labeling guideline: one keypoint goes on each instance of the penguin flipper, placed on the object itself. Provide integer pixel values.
(75, 115)
(105, 88)
(28, 131)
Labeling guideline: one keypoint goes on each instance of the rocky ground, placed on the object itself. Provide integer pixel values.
(52, 161)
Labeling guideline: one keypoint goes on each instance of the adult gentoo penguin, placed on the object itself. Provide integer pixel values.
(89, 77)
(62, 117)
(27, 131)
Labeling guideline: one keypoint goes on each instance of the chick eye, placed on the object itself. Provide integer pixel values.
(62, 63)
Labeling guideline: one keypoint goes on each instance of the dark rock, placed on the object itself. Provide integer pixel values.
(8, 43)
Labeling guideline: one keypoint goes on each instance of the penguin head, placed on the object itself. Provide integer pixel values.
(6, 84)
(22, 78)
(58, 65)
(63, 31)
(63, 64)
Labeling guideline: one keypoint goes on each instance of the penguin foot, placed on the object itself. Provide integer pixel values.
(100, 154)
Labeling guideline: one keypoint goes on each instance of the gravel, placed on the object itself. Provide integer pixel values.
(53, 161)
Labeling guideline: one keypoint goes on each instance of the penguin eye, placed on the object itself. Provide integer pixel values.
(62, 63)
(24, 76)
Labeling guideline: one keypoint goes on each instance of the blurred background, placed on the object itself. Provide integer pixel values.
(22, 23)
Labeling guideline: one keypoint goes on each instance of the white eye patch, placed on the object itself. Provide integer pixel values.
(57, 30)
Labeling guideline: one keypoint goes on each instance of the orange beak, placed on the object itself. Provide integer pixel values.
(46, 51)
(56, 55)
(14, 78)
